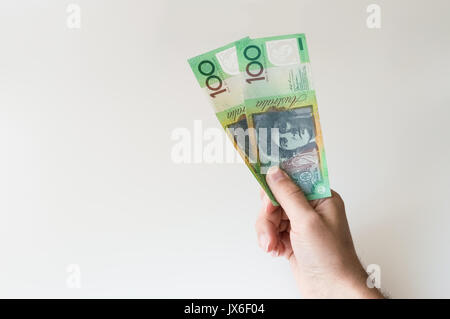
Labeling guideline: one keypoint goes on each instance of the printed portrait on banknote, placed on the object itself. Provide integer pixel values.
(288, 138)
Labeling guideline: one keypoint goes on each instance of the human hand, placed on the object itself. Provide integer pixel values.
(315, 237)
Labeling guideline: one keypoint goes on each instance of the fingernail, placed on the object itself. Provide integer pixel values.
(264, 242)
(274, 174)
(274, 253)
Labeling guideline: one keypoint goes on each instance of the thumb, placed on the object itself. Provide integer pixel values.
(289, 195)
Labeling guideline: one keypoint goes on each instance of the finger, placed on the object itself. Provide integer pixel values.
(267, 228)
(332, 210)
(284, 247)
(270, 213)
(267, 237)
(278, 250)
(267, 203)
(324, 205)
(286, 240)
(289, 195)
(262, 193)
(284, 225)
(337, 199)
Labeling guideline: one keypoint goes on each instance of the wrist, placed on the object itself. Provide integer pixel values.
(354, 285)
(349, 284)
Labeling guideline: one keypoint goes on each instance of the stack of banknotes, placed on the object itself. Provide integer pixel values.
(263, 96)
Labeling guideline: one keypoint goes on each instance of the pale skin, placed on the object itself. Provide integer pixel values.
(315, 238)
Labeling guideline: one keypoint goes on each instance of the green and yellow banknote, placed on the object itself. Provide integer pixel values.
(281, 109)
(218, 74)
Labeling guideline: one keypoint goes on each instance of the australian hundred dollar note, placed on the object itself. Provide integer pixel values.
(218, 74)
(282, 112)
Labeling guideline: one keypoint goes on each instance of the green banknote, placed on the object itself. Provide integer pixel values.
(218, 74)
(281, 109)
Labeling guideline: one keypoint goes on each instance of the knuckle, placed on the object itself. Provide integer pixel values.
(338, 200)
(340, 205)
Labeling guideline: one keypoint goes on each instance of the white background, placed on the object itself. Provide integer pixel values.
(86, 175)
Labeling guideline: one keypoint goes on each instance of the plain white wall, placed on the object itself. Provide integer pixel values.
(86, 175)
